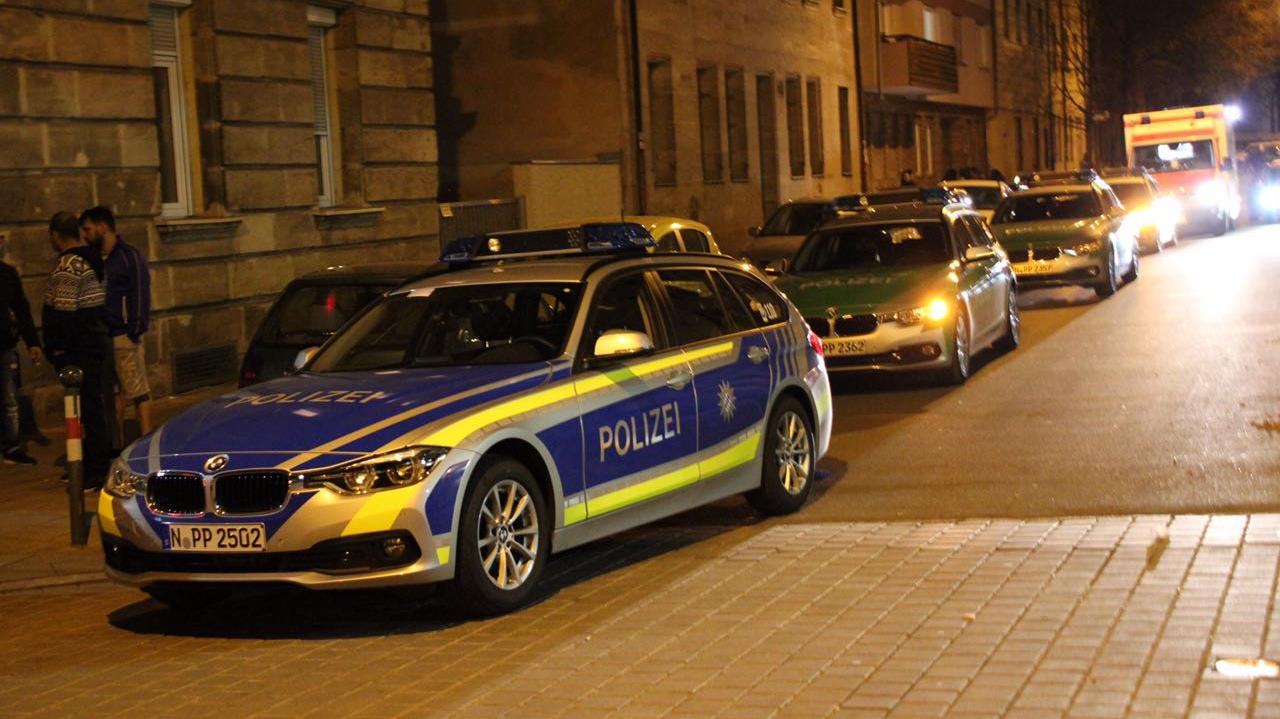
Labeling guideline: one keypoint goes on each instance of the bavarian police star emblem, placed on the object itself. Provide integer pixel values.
(728, 402)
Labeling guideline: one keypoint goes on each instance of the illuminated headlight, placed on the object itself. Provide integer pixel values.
(122, 483)
(1211, 193)
(1144, 217)
(936, 311)
(384, 471)
(1269, 197)
(1084, 248)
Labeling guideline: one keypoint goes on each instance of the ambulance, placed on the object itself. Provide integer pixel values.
(1190, 151)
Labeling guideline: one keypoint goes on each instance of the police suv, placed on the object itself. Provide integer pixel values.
(554, 387)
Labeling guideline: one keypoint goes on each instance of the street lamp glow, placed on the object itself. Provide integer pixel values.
(1232, 113)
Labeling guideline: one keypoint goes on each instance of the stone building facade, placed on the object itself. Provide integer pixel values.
(240, 143)
(714, 110)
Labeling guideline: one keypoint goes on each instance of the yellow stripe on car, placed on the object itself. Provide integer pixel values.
(442, 555)
(378, 511)
(107, 514)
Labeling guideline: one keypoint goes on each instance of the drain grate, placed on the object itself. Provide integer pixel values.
(203, 367)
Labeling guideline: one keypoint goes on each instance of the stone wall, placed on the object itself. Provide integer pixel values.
(77, 128)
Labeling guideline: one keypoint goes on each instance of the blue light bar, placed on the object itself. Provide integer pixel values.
(594, 238)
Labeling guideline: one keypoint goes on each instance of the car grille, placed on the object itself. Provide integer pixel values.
(1038, 253)
(251, 492)
(852, 326)
(176, 493)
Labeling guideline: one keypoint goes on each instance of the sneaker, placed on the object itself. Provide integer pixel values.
(17, 455)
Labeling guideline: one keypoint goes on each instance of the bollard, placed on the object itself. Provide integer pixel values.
(72, 377)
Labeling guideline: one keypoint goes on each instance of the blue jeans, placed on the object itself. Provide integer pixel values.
(9, 396)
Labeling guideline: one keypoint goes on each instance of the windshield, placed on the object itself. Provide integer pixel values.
(308, 314)
(456, 326)
(1176, 156)
(984, 198)
(1133, 194)
(797, 218)
(1062, 206)
(872, 247)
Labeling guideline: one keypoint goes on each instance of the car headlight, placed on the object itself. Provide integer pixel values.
(1084, 248)
(935, 311)
(385, 471)
(123, 483)
(1211, 193)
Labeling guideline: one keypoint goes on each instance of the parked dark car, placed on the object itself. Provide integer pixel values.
(314, 306)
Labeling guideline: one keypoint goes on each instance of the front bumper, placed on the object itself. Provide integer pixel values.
(893, 348)
(1063, 271)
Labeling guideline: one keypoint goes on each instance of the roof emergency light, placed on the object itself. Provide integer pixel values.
(1232, 113)
(592, 238)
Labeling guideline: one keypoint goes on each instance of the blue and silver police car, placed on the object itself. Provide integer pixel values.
(554, 387)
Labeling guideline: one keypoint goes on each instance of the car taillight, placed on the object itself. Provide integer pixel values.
(814, 341)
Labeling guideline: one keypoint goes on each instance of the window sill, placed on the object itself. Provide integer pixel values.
(335, 218)
(191, 229)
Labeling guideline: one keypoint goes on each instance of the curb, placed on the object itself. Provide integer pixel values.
(66, 580)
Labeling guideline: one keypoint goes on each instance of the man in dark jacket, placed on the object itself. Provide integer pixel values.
(128, 307)
(15, 324)
(75, 333)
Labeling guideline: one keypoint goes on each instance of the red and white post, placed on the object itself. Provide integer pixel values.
(72, 377)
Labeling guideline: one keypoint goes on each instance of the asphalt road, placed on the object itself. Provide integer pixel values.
(1163, 398)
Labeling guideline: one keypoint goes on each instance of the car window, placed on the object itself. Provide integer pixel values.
(694, 241)
(667, 243)
(308, 314)
(698, 313)
(1133, 195)
(766, 306)
(875, 247)
(980, 230)
(962, 234)
(797, 218)
(1069, 205)
(624, 303)
(733, 304)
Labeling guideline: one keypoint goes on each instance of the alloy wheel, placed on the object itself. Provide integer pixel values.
(794, 452)
(507, 534)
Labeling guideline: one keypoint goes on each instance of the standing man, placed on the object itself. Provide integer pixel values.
(128, 307)
(76, 334)
(15, 324)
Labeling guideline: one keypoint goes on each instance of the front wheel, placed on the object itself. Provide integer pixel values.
(1132, 274)
(1012, 325)
(1107, 285)
(503, 538)
(957, 372)
(786, 478)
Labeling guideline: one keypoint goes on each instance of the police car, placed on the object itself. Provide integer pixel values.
(554, 387)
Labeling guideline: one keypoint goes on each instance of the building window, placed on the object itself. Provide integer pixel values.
(984, 47)
(171, 115)
(735, 98)
(709, 124)
(1008, 21)
(837, 4)
(957, 32)
(817, 148)
(662, 123)
(906, 130)
(1020, 14)
(795, 127)
(846, 141)
(319, 21)
(930, 24)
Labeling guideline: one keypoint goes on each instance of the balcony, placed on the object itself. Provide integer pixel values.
(915, 66)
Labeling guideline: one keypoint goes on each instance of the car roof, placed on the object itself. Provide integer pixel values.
(1056, 189)
(565, 269)
(373, 272)
(971, 183)
(1128, 180)
(653, 221)
(915, 211)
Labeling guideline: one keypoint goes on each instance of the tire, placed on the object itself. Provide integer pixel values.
(1107, 285)
(1012, 325)
(505, 490)
(1222, 227)
(185, 596)
(1132, 274)
(790, 460)
(957, 372)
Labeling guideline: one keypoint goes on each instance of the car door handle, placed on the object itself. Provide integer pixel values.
(758, 354)
(678, 380)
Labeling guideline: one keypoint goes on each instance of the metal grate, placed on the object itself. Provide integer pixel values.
(462, 219)
(176, 493)
(251, 492)
(203, 368)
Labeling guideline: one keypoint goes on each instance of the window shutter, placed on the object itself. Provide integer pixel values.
(319, 96)
(164, 31)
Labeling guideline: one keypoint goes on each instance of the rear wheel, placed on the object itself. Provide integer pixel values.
(1012, 325)
(503, 538)
(786, 478)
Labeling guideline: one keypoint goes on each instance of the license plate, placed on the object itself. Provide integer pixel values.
(843, 347)
(1032, 268)
(217, 537)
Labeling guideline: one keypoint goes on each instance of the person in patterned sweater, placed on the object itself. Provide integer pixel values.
(75, 333)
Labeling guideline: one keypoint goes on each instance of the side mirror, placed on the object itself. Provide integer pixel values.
(753, 231)
(776, 267)
(978, 252)
(621, 344)
(304, 356)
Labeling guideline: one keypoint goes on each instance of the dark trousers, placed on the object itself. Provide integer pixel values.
(95, 394)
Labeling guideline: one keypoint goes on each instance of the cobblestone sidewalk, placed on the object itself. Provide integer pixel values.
(1104, 617)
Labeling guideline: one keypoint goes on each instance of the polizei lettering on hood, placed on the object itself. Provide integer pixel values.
(340, 396)
(642, 430)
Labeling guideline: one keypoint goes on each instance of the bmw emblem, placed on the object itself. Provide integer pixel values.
(216, 463)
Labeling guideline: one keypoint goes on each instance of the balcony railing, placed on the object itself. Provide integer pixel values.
(915, 66)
